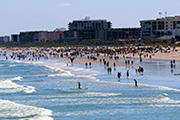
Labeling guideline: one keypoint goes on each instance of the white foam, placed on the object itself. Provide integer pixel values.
(166, 105)
(19, 78)
(13, 110)
(59, 67)
(12, 65)
(103, 94)
(8, 86)
(60, 74)
(161, 87)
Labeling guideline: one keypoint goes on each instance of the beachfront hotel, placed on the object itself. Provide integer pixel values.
(98, 29)
(88, 29)
(166, 26)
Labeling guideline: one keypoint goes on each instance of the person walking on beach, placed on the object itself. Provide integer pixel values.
(100, 60)
(174, 61)
(108, 64)
(132, 62)
(135, 83)
(71, 59)
(127, 74)
(150, 56)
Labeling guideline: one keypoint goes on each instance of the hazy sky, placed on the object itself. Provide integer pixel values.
(27, 15)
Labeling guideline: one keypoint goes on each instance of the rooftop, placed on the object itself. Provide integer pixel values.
(164, 18)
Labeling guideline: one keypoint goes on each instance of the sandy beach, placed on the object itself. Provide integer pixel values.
(159, 56)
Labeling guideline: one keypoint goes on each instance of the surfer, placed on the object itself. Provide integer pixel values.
(135, 83)
(79, 85)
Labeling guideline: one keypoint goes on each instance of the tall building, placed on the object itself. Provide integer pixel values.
(15, 37)
(160, 27)
(88, 29)
(124, 33)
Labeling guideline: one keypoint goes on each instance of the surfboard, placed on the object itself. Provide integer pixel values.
(78, 88)
(177, 74)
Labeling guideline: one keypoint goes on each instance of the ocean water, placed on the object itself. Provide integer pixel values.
(40, 90)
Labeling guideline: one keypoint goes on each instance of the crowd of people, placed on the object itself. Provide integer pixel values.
(104, 56)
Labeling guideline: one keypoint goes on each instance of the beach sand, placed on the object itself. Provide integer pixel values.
(111, 61)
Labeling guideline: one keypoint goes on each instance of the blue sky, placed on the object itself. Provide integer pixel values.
(27, 15)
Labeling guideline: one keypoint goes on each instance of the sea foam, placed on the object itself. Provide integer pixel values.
(13, 110)
(8, 86)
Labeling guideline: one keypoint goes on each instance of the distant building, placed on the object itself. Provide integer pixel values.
(124, 33)
(70, 35)
(88, 29)
(15, 37)
(160, 27)
(32, 36)
(4, 38)
(55, 35)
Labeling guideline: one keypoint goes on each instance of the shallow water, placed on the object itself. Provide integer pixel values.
(41, 90)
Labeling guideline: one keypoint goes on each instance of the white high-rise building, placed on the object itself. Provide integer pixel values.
(160, 27)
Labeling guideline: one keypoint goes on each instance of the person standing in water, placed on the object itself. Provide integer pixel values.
(119, 75)
(114, 64)
(90, 65)
(86, 64)
(135, 83)
(127, 74)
